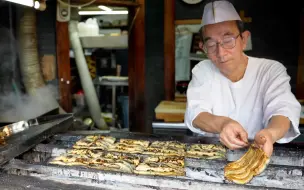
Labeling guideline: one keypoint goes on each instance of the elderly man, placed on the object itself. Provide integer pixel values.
(236, 97)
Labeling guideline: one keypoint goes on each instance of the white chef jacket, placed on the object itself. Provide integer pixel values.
(263, 92)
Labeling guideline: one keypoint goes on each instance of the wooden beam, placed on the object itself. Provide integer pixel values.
(136, 70)
(169, 49)
(63, 64)
(188, 21)
(117, 3)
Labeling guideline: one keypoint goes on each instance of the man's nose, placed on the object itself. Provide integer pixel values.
(220, 51)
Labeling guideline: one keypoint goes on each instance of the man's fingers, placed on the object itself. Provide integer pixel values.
(233, 139)
(244, 136)
(268, 149)
(232, 146)
(260, 140)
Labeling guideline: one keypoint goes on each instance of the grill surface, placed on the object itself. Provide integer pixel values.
(13, 182)
(284, 172)
(281, 174)
(23, 141)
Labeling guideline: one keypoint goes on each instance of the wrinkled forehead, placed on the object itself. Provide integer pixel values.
(219, 30)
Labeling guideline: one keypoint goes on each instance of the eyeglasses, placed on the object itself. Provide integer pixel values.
(210, 46)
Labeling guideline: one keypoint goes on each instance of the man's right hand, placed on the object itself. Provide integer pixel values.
(233, 135)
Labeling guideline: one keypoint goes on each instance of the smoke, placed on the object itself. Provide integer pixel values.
(8, 59)
(15, 105)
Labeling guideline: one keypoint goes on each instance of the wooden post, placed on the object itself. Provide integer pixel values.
(169, 49)
(63, 62)
(300, 78)
(136, 70)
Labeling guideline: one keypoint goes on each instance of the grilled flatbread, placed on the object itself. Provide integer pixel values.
(78, 152)
(125, 148)
(164, 151)
(159, 169)
(132, 159)
(108, 139)
(174, 144)
(70, 160)
(252, 163)
(108, 161)
(166, 148)
(206, 151)
(171, 160)
(134, 142)
(118, 167)
(3, 135)
(95, 142)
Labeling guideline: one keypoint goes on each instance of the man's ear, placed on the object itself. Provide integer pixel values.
(201, 45)
(245, 37)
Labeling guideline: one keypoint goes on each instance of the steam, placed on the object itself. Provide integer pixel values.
(14, 104)
(8, 58)
(15, 107)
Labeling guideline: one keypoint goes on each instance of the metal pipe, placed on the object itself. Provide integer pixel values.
(85, 77)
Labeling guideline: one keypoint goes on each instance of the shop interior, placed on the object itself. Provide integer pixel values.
(122, 67)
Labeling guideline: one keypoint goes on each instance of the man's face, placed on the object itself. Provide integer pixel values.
(224, 45)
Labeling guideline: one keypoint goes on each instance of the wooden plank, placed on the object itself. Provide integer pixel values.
(63, 62)
(170, 111)
(136, 70)
(169, 49)
(180, 97)
(117, 3)
(171, 107)
(188, 21)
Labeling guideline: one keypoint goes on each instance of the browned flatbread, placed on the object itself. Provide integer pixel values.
(70, 160)
(95, 142)
(125, 148)
(159, 169)
(251, 164)
(174, 144)
(206, 151)
(166, 148)
(142, 143)
(2, 138)
(101, 152)
(164, 151)
(132, 159)
(170, 160)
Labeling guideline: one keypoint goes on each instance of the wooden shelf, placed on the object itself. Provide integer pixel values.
(112, 42)
(197, 57)
(188, 21)
(108, 2)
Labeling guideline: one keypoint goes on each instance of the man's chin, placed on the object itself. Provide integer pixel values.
(225, 65)
(226, 68)
(224, 62)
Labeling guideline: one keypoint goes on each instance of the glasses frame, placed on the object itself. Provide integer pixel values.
(221, 43)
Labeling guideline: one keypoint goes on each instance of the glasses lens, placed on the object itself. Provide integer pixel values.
(210, 46)
(228, 43)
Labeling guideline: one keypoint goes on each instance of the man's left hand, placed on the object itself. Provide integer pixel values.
(264, 140)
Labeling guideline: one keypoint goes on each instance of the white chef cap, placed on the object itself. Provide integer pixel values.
(219, 11)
